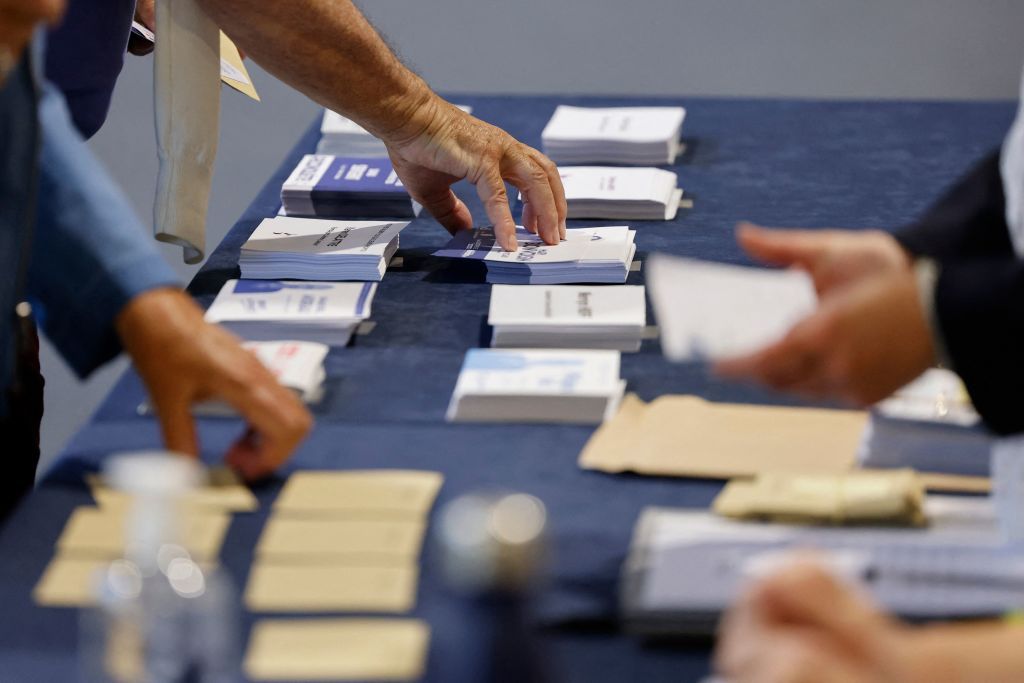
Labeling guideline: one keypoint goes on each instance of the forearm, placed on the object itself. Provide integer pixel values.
(961, 653)
(328, 50)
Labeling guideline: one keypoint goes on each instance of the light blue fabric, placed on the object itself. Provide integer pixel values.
(91, 255)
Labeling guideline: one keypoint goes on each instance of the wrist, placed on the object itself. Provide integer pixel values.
(409, 116)
(165, 310)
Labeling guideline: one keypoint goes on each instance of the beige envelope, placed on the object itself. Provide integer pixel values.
(232, 69)
(337, 649)
(341, 541)
(100, 533)
(362, 493)
(331, 588)
(687, 436)
(224, 491)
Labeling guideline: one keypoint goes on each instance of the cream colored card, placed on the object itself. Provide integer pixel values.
(363, 493)
(98, 532)
(223, 491)
(336, 540)
(232, 69)
(292, 587)
(337, 649)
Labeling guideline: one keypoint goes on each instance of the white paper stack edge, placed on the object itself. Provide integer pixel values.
(520, 385)
(586, 255)
(284, 248)
(631, 136)
(568, 316)
(267, 310)
(617, 193)
(342, 136)
(929, 425)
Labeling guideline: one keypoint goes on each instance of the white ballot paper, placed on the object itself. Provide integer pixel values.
(637, 136)
(568, 316)
(266, 310)
(517, 385)
(617, 193)
(585, 255)
(316, 249)
(341, 136)
(710, 310)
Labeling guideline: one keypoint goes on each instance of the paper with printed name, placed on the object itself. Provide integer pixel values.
(375, 494)
(311, 587)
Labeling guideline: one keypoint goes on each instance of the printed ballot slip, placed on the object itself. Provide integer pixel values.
(568, 316)
(586, 255)
(327, 186)
(631, 136)
(267, 310)
(526, 385)
(286, 248)
(618, 193)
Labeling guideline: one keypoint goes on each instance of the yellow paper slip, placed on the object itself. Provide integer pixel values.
(341, 540)
(337, 649)
(361, 493)
(330, 588)
(232, 69)
(70, 581)
(96, 532)
(223, 492)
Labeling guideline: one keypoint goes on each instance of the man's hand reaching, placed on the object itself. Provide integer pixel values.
(183, 360)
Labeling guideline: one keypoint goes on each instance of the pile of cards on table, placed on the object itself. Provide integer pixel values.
(711, 310)
(521, 385)
(263, 310)
(568, 316)
(344, 137)
(346, 187)
(616, 193)
(285, 248)
(633, 136)
(586, 255)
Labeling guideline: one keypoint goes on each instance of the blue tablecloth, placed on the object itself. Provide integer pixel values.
(781, 163)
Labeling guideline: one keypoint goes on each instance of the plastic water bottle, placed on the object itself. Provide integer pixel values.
(491, 548)
(1007, 464)
(160, 617)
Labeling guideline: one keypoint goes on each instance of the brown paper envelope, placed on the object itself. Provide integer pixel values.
(688, 436)
(98, 532)
(935, 481)
(330, 588)
(362, 493)
(337, 649)
(243, 82)
(337, 540)
(223, 494)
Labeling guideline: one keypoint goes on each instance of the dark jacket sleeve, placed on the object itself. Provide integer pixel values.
(967, 222)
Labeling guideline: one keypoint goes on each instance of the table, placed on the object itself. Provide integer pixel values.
(778, 162)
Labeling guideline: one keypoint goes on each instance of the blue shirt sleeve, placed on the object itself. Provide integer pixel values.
(91, 255)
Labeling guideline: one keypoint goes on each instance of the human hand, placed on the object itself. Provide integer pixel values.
(441, 145)
(183, 360)
(18, 19)
(145, 13)
(802, 625)
(869, 335)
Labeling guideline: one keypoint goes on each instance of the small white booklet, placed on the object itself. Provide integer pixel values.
(618, 193)
(342, 136)
(586, 255)
(568, 316)
(265, 310)
(520, 385)
(713, 311)
(637, 136)
(284, 248)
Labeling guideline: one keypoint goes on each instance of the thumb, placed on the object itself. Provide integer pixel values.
(177, 425)
(780, 247)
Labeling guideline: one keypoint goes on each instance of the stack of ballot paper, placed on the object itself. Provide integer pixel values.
(341, 136)
(712, 311)
(635, 136)
(267, 310)
(686, 567)
(568, 316)
(311, 249)
(929, 425)
(616, 193)
(346, 187)
(297, 365)
(505, 385)
(598, 255)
